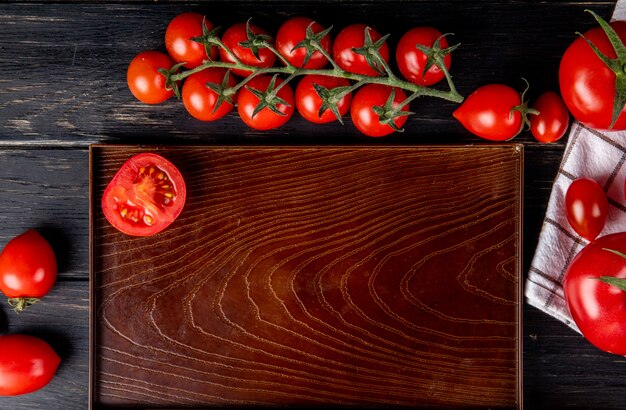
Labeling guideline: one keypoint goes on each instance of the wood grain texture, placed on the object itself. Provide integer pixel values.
(349, 276)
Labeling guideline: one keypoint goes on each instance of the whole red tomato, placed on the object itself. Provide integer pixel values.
(598, 308)
(586, 207)
(587, 84)
(309, 102)
(489, 112)
(351, 37)
(200, 100)
(553, 119)
(235, 38)
(27, 364)
(145, 196)
(179, 43)
(412, 61)
(362, 110)
(265, 119)
(28, 269)
(291, 33)
(144, 80)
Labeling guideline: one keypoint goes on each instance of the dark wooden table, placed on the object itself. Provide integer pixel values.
(63, 87)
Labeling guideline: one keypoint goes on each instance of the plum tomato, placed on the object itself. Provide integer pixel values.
(309, 102)
(587, 85)
(200, 100)
(553, 119)
(27, 363)
(353, 37)
(364, 104)
(179, 43)
(145, 196)
(586, 207)
(490, 112)
(292, 33)
(597, 306)
(145, 81)
(265, 119)
(236, 39)
(412, 61)
(28, 269)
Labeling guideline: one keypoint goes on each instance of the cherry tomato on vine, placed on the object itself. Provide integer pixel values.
(179, 43)
(27, 364)
(362, 112)
(291, 33)
(587, 85)
(233, 38)
(586, 207)
(553, 119)
(599, 308)
(351, 37)
(28, 269)
(145, 196)
(309, 102)
(200, 100)
(265, 119)
(412, 61)
(144, 80)
(489, 112)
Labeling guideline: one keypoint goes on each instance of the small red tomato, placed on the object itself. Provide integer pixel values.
(309, 102)
(412, 61)
(553, 119)
(200, 100)
(28, 269)
(27, 364)
(489, 112)
(179, 43)
(586, 207)
(145, 196)
(363, 115)
(266, 119)
(291, 33)
(233, 39)
(352, 37)
(144, 80)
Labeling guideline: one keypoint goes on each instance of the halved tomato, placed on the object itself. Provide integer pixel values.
(145, 196)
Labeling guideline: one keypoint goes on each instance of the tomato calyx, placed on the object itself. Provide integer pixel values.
(312, 43)
(617, 65)
(612, 280)
(331, 98)
(223, 90)
(269, 98)
(19, 304)
(523, 108)
(209, 38)
(171, 83)
(435, 55)
(255, 42)
(388, 112)
(371, 52)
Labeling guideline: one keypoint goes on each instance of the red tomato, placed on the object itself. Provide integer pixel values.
(599, 309)
(265, 119)
(179, 43)
(412, 61)
(363, 115)
(144, 80)
(553, 118)
(145, 196)
(587, 84)
(308, 101)
(27, 364)
(237, 34)
(487, 112)
(291, 33)
(200, 100)
(351, 37)
(28, 269)
(586, 207)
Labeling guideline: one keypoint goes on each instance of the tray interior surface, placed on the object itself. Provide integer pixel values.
(370, 276)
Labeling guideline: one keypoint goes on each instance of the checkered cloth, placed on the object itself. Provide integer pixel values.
(597, 155)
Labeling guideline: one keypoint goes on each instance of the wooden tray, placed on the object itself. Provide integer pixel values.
(369, 276)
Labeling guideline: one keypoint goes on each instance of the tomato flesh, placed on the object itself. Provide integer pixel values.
(145, 196)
